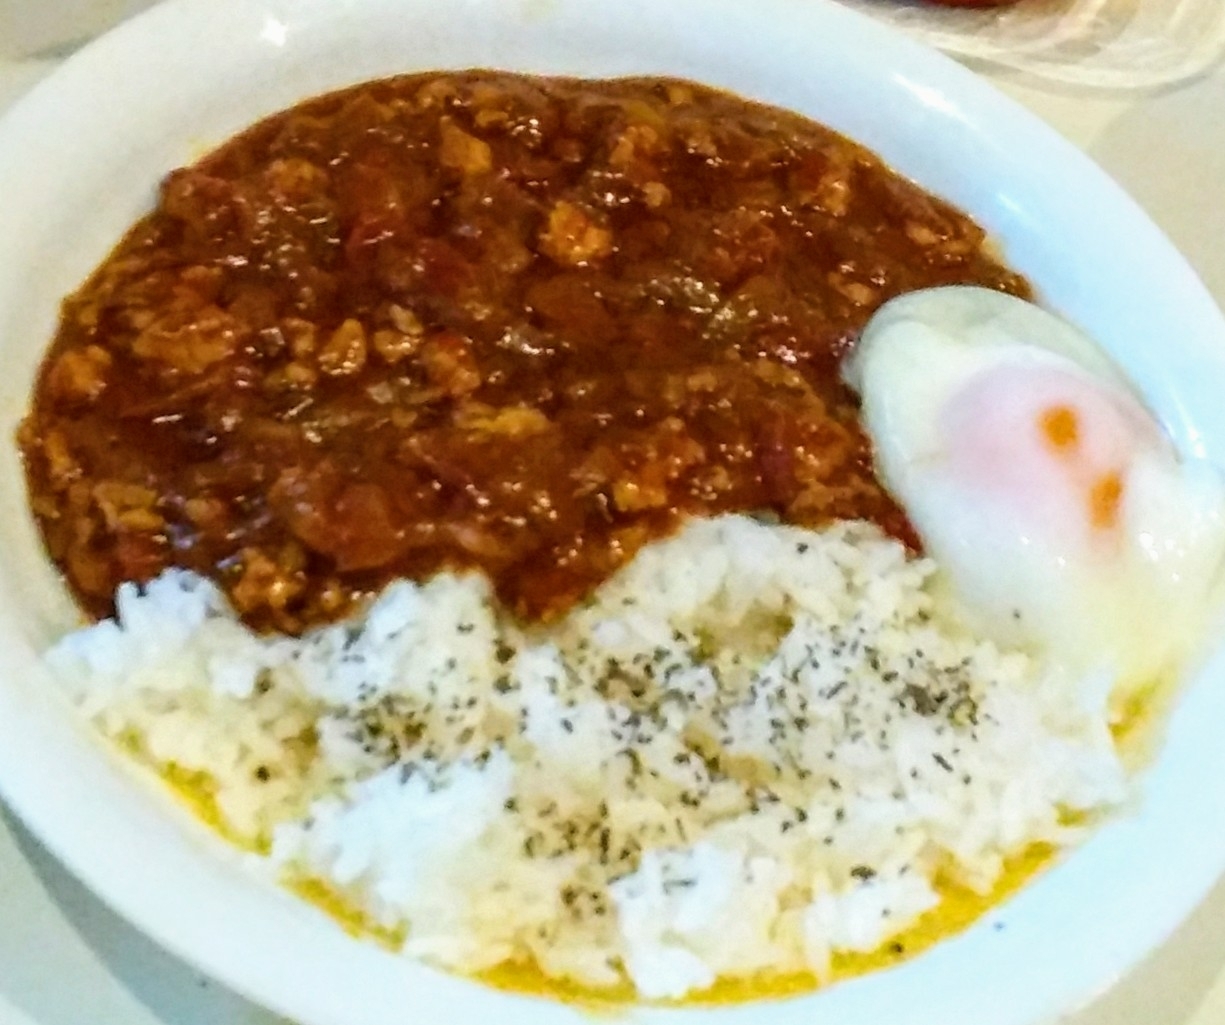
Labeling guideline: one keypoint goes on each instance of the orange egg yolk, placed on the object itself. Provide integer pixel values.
(1061, 427)
(1104, 498)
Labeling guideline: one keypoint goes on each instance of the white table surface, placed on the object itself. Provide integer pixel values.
(66, 960)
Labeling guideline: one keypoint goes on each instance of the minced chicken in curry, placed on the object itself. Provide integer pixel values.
(476, 320)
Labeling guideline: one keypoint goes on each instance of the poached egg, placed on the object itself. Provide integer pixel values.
(1062, 517)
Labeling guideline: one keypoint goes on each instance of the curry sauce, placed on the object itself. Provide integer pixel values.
(476, 320)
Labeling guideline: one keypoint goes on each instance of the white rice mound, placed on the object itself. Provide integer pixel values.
(756, 746)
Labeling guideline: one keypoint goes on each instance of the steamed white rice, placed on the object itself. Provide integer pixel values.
(755, 747)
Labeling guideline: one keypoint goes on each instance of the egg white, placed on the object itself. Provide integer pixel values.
(1061, 515)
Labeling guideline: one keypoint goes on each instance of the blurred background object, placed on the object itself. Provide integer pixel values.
(30, 28)
(1114, 44)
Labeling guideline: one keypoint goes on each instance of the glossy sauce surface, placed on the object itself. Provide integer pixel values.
(476, 320)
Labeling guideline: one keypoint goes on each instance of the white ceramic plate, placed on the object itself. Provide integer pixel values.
(79, 160)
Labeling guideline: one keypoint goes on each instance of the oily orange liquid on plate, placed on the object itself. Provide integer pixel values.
(959, 908)
(1134, 733)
